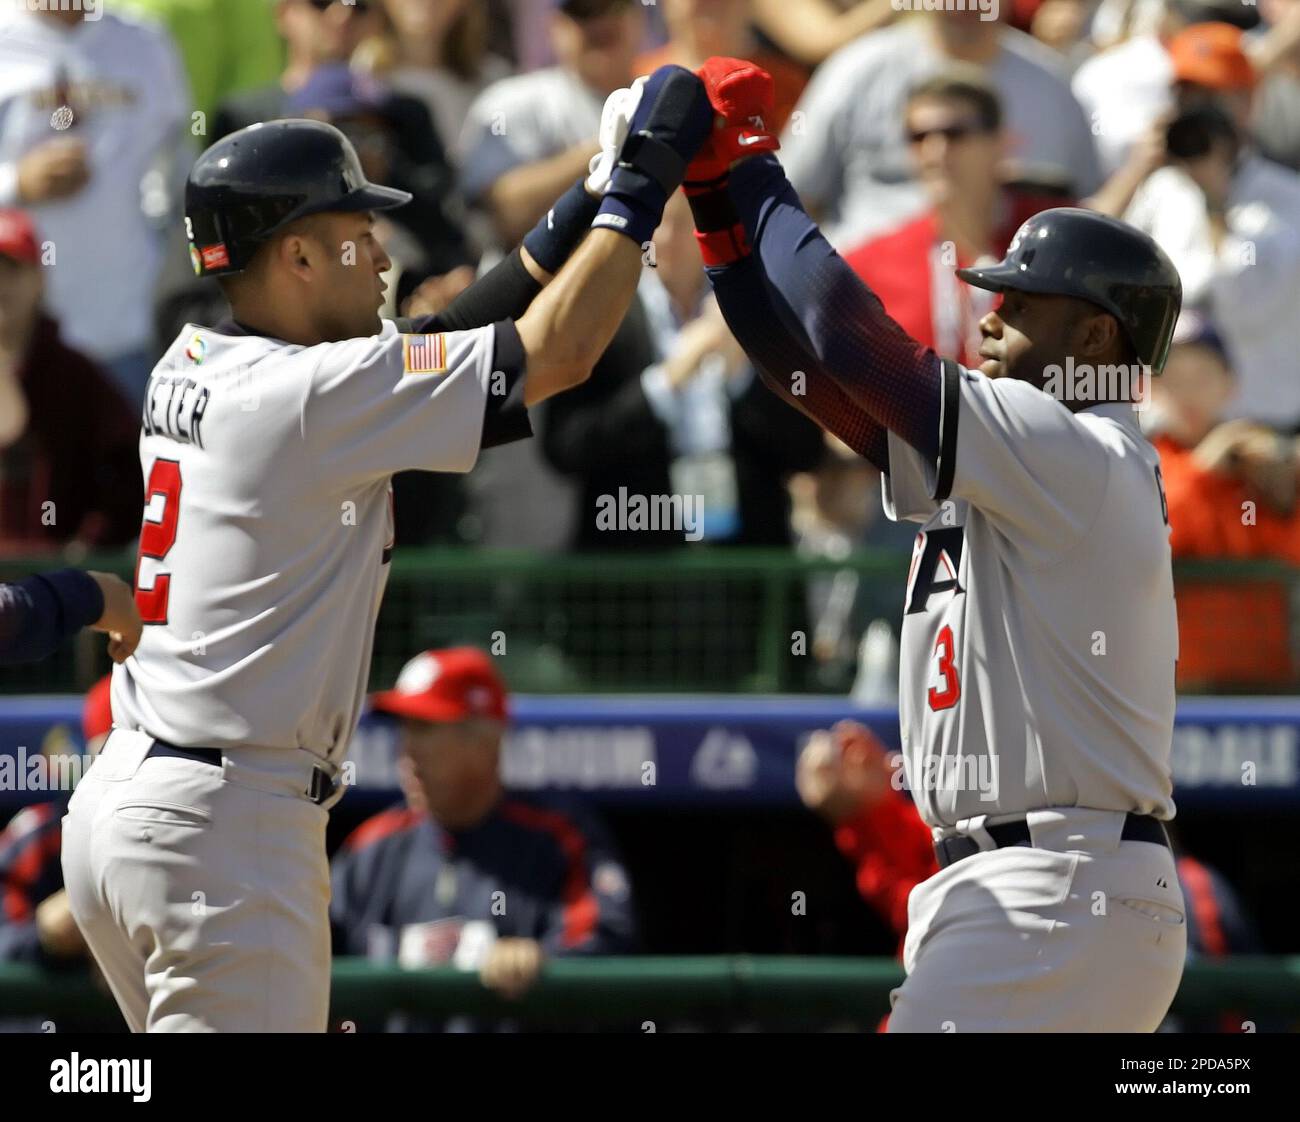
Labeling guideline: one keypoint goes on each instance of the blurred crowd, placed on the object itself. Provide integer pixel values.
(921, 139)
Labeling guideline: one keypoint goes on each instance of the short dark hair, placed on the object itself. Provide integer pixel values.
(962, 83)
(591, 9)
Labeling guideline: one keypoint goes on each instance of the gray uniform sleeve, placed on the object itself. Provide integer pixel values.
(394, 401)
(1013, 452)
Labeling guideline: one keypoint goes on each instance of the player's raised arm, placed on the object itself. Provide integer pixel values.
(780, 350)
(649, 133)
(865, 370)
(507, 290)
(571, 323)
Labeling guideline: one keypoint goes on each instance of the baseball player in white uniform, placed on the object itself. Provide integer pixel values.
(1039, 635)
(194, 848)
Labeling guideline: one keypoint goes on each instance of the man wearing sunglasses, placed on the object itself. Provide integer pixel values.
(958, 148)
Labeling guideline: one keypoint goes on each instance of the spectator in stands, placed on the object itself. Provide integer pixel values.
(437, 51)
(315, 32)
(1127, 88)
(810, 31)
(91, 142)
(1230, 488)
(701, 29)
(1276, 121)
(693, 420)
(848, 777)
(836, 510)
(1059, 24)
(846, 150)
(953, 123)
(69, 460)
(1230, 221)
(1230, 485)
(36, 924)
(466, 872)
(529, 136)
(226, 45)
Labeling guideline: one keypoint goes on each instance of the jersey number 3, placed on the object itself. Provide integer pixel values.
(946, 696)
(157, 536)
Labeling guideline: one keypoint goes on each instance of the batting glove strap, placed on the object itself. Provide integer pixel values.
(718, 230)
(672, 120)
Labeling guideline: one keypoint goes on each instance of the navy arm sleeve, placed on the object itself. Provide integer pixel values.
(37, 614)
(879, 367)
(503, 292)
(787, 366)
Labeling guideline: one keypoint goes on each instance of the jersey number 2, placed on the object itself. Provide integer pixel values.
(949, 695)
(157, 536)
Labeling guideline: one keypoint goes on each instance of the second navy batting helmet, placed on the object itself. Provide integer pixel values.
(1073, 252)
(255, 181)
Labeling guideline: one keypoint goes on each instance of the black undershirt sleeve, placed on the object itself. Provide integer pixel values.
(503, 292)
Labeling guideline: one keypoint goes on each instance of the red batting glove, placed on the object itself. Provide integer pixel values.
(742, 95)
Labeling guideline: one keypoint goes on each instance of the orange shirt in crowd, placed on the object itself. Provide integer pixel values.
(1228, 634)
(788, 77)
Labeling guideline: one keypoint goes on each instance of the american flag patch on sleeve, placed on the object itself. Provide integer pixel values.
(424, 354)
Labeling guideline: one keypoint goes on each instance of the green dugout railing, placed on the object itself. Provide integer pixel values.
(711, 620)
(631, 991)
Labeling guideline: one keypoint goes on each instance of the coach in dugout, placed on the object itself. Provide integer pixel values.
(464, 872)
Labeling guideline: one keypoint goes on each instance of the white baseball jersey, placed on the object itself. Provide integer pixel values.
(1039, 635)
(268, 519)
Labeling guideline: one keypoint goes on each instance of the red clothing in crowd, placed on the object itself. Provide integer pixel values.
(912, 269)
(893, 852)
(80, 453)
(1235, 633)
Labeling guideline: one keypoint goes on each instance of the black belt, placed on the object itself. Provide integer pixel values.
(1137, 827)
(322, 786)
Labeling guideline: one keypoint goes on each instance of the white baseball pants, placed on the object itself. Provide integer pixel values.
(1082, 933)
(202, 891)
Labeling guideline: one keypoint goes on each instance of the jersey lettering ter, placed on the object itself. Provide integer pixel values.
(1039, 635)
(268, 520)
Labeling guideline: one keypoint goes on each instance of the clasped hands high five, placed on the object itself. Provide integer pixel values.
(677, 128)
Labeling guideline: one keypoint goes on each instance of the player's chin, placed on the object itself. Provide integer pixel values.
(992, 368)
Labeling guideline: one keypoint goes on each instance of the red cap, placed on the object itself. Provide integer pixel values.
(97, 712)
(1210, 55)
(445, 686)
(18, 237)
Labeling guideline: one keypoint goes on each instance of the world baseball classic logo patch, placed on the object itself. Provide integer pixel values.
(424, 354)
